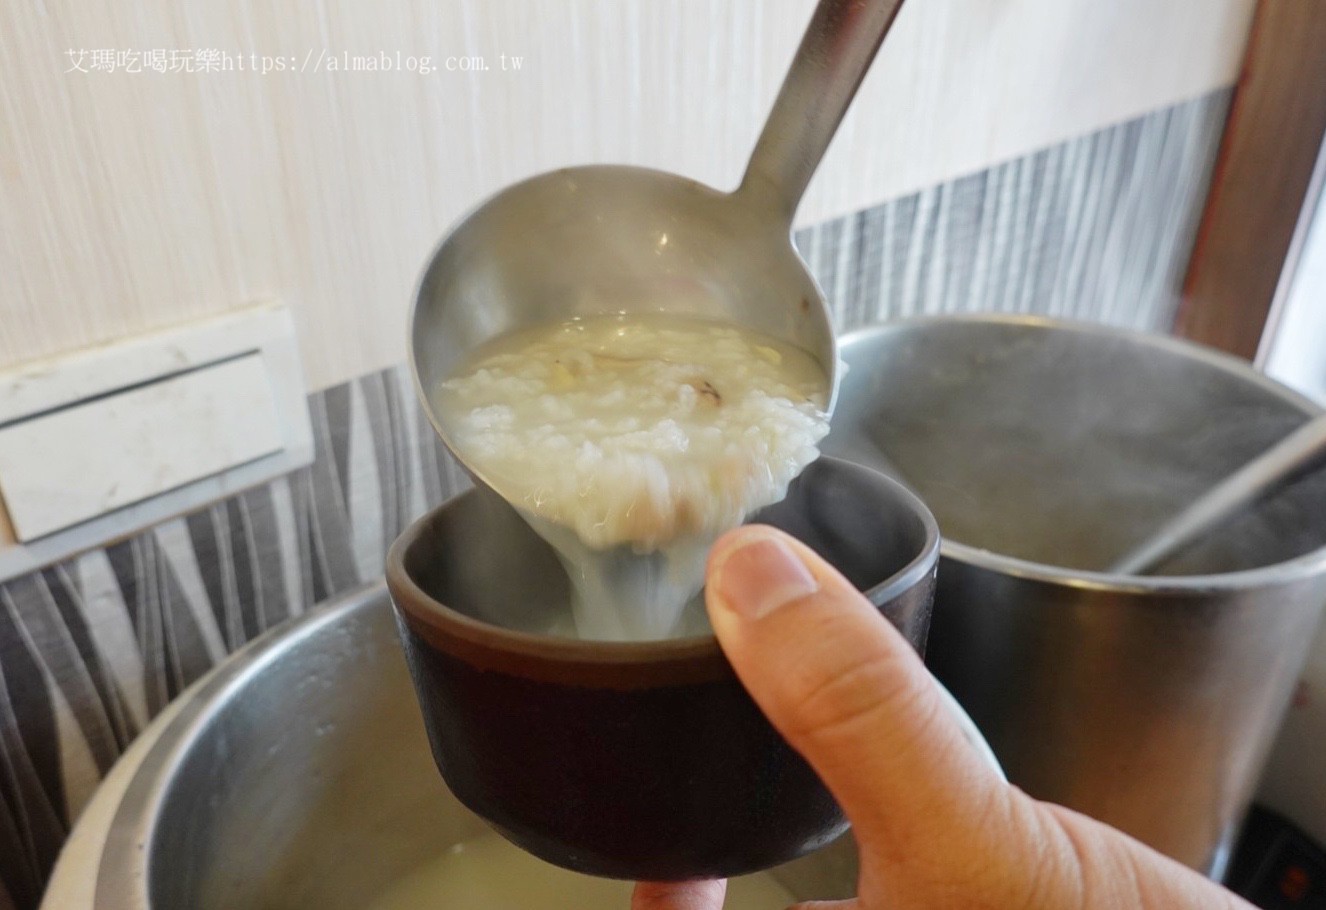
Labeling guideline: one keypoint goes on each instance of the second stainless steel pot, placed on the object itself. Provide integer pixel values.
(1044, 449)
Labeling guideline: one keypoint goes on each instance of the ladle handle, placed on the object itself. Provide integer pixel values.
(835, 53)
(1299, 452)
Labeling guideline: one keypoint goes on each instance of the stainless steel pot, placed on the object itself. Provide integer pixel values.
(1044, 450)
(298, 776)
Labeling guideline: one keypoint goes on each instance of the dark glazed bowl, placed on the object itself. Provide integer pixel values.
(642, 760)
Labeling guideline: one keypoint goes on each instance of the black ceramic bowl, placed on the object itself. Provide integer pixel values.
(639, 760)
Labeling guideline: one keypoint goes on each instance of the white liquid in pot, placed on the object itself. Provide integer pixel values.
(488, 873)
(630, 443)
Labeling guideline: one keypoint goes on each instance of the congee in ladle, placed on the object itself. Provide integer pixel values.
(630, 443)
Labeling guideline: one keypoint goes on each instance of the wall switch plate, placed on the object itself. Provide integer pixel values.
(106, 442)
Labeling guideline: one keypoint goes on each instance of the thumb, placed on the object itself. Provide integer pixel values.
(846, 690)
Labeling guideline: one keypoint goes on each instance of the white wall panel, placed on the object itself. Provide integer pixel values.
(129, 201)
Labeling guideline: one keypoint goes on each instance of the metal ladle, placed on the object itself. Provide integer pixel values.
(1298, 453)
(609, 239)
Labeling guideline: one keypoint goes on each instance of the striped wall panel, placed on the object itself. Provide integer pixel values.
(91, 649)
(1097, 228)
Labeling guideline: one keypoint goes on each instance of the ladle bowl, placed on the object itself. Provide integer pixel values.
(603, 240)
(599, 240)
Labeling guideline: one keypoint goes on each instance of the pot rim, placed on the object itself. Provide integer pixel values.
(1290, 571)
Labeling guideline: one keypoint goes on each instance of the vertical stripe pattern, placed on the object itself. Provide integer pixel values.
(1097, 229)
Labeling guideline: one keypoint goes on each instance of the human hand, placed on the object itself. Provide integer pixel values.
(935, 825)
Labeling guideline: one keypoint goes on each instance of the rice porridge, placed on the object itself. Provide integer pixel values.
(488, 873)
(631, 444)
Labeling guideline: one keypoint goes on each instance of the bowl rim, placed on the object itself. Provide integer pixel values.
(563, 658)
(1290, 571)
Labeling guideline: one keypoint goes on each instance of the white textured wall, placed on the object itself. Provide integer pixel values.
(130, 201)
